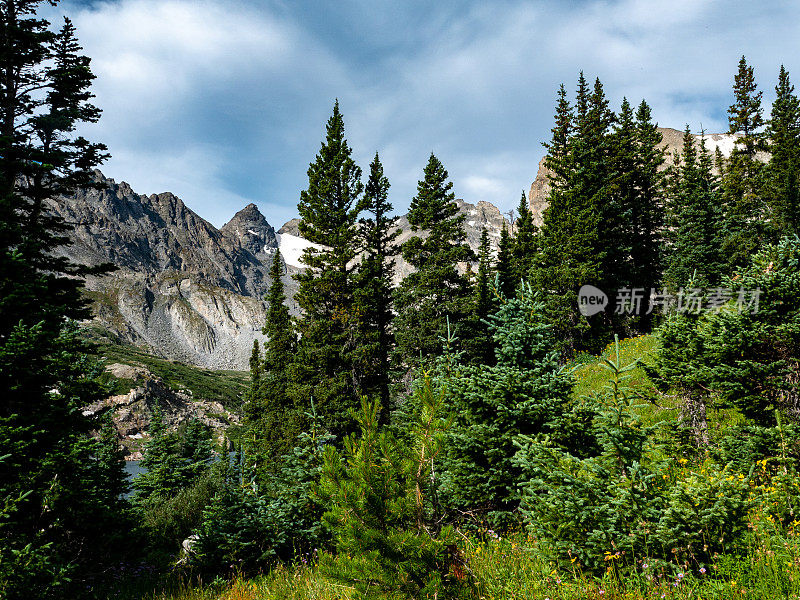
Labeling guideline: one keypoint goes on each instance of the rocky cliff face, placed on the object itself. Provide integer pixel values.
(184, 289)
(132, 412)
(672, 143)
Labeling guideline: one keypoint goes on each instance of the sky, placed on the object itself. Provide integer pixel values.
(224, 102)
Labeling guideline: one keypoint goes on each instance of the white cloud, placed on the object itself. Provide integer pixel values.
(224, 101)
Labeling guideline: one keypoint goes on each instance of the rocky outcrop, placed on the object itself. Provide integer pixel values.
(179, 316)
(132, 412)
(671, 143)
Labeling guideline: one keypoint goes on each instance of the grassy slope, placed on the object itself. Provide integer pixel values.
(226, 387)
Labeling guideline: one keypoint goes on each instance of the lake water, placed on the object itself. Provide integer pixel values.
(133, 468)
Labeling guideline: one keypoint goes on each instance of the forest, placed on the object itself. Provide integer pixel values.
(468, 432)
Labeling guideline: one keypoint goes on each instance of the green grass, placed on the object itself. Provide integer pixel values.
(512, 568)
(226, 387)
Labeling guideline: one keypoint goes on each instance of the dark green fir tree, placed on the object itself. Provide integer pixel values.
(436, 289)
(745, 220)
(325, 365)
(505, 274)
(67, 525)
(782, 190)
(693, 256)
(525, 242)
(374, 285)
(270, 415)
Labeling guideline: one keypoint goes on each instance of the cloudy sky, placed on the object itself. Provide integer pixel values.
(224, 102)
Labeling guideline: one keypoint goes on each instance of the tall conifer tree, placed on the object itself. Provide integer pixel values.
(506, 275)
(329, 207)
(524, 247)
(745, 216)
(67, 525)
(476, 340)
(783, 171)
(436, 289)
(374, 285)
(572, 251)
(694, 221)
(270, 414)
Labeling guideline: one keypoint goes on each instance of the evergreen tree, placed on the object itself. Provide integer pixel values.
(270, 415)
(382, 511)
(65, 528)
(782, 191)
(648, 212)
(572, 251)
(693, 216)
(745, 219)
(525, 242)
(436, 289)
(374, 285)
(160, 463)
(325, 365)
(477, 342)
(491, 405)
(505, 272)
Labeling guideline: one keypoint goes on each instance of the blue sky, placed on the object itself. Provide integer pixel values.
(224, 102)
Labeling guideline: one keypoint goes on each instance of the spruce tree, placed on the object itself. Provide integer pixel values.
(374, 285)
(782, 192)
(476, 341)
(436, 289)
(525, 242)
(492, 404)
(572, 253)
(693, 256)
(648, 214)
(745, 218)
(505, 272)
(270, 415)
(325, 365)
(64, 531)
(634, 215)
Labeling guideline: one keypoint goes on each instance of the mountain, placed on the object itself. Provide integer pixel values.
(183, 289)
(672, 143)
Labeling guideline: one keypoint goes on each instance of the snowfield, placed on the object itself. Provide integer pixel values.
(725, 143)
(292, 246)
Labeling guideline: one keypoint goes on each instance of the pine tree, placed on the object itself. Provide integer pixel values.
(693, 255)
(382, 511)
(65, 529)
(745, 228)
(525, 242)
(325, 364)
(374, 285)
(505, 273)
(436, 289)
(270, 415)
(782, 191)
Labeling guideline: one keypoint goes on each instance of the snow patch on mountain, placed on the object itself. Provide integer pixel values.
(724, 141)
(292, 246)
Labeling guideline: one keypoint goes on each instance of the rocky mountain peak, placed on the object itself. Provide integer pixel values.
(252, 230)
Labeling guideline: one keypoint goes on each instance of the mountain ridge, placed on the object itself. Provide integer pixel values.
(185, 289)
